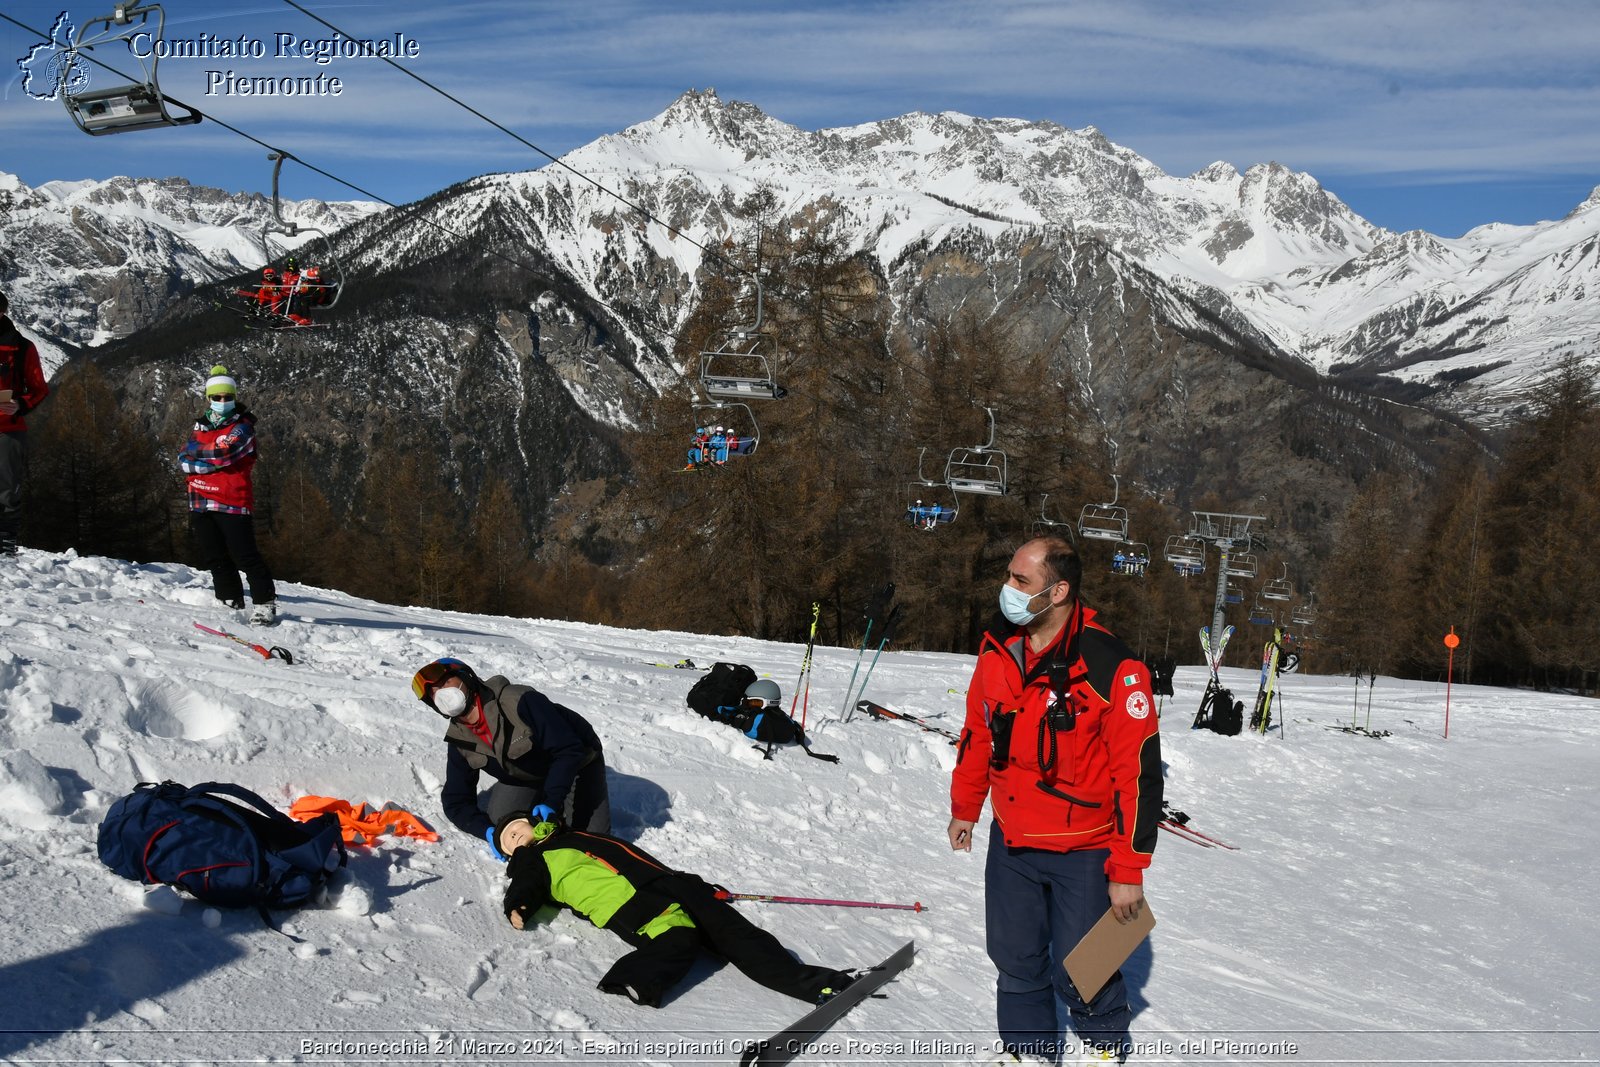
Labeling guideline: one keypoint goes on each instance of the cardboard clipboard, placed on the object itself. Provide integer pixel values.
(1104, 948)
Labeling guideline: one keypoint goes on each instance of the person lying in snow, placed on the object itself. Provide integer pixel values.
(667, 916)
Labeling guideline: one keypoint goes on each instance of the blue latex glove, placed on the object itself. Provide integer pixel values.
(488, 835)
(543, 813)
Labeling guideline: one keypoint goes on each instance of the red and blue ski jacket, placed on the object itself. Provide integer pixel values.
(1086, 775)
(218, 460)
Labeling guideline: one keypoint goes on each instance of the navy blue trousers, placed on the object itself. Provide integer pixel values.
(1038, 905)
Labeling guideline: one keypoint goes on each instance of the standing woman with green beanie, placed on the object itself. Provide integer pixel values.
(217, 459)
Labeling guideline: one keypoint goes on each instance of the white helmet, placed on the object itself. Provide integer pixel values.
(764, 690)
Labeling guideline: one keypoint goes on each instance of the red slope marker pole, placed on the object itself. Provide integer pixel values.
(1451, 641)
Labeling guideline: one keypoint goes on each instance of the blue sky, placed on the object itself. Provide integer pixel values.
(1432, 114)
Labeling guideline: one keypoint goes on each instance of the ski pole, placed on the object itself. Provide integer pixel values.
(879, 603)
(767, 898)
(805, 666)
(888, 633)
(877, 711)
(860, 652)
(1372, 683)
(262, 651)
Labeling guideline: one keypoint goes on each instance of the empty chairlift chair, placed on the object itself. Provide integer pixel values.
(1104, 522)
(1045, 526)
(1261, 614)
(1241, 565)
(980, 469)
(740, 368)
(121, 108)
(1279, 588)
(1186, 554)
(1305, 614)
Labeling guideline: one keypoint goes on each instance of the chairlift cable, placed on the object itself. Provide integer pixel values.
(673, 230)
(414, 210)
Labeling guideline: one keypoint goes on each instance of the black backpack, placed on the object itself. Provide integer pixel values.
(722, 688)
(246, 854)
(1219, 711)
(719, 696)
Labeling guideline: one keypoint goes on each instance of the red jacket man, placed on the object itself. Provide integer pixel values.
(22, 388)
(1061, 738)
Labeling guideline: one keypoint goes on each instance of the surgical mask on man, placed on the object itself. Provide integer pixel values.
(222, 407)
(1014, 604)
(450, 700)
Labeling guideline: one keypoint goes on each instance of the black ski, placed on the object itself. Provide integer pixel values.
(878, 711)
(1358, 731)
(788, 1043)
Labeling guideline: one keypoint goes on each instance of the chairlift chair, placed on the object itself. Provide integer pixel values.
(1104, 522)
(980, 469)
(328, 258)
(1279, 588)
(1241, 565)
(745, 432)
(1232, 593)
(740, 369)
(1044, 525)
(930, 504)
(121, 108)
(1305, 614)
(1186, 553)
(1131, 558)
(1261, 614)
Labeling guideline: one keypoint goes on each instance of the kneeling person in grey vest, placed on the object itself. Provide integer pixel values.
(544, 757)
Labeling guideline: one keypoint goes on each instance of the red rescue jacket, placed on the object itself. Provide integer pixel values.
(19, 372)
(1094, 785)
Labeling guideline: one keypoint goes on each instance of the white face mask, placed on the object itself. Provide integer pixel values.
(222, 407)
(450, 701)
(1014, 604)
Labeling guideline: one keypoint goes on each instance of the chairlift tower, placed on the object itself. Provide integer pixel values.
(1228, 533)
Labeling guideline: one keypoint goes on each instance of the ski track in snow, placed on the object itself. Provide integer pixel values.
(1409, 898)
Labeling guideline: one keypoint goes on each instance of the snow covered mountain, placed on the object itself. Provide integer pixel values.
(88, 261)
(1473, 321)
(1371, 914)
(1266, 258)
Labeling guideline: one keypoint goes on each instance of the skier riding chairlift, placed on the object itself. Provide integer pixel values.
(934, 513)
(318, 287)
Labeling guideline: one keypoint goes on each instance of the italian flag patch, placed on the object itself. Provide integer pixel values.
(1130, 679)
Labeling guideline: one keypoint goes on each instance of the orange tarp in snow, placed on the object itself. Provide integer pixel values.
(361, 824)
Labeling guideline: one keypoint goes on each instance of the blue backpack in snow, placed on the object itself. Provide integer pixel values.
(220, 852)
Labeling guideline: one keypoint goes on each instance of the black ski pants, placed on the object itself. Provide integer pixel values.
(657, 964)
(13, 468)
(228, 546)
